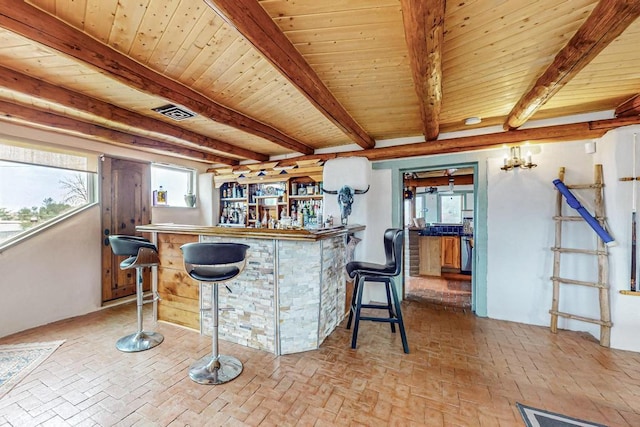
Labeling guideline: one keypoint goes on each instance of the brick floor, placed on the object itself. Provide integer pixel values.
(446, 291)
(462, 371)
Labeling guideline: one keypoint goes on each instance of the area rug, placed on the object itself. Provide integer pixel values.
(538, 418)
(18, 360)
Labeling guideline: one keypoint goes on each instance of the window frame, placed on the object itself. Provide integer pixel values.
(192, 183)
(90, 169)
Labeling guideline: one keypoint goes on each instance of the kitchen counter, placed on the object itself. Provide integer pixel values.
(453, 230)
(289, 298)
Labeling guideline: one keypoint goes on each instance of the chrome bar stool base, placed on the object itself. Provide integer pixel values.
(211, 372)
(214, 263)
(139, 341)
(141, 253)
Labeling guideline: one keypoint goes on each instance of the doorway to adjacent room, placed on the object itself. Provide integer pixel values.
(438, 216)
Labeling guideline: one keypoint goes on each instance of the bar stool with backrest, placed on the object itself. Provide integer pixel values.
(141, 253)
(214, 263)
(363, 272)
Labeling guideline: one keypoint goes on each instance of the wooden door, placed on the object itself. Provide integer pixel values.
(125, 204)
(451, 252)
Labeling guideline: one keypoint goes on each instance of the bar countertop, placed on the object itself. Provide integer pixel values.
(255, 233)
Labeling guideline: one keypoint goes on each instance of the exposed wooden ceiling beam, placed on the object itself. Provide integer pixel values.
(424, 33)
(22, 83)
(253, 22)
(32, 117)
(32, 23)
(629, 108)
(605, 23)
(547, 134)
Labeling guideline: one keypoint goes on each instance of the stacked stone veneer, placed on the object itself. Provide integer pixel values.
(288, 299)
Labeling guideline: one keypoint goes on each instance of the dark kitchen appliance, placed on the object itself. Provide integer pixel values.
(466, 254)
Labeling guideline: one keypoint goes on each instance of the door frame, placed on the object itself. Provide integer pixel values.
(477, 160)
(403, 213)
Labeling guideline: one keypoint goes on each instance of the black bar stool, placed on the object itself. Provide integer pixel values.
(215, 263)
(141, 253)
(363, 272)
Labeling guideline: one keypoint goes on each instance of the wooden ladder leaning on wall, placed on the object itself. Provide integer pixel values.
(600, 252)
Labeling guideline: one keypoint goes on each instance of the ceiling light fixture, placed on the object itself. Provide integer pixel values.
(472, 121)
(516, 161)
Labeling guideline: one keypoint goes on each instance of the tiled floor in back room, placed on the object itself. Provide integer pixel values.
(462, 371)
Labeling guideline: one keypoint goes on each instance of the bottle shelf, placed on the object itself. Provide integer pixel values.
(273, 198)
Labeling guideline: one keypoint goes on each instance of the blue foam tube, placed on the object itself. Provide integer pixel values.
(575, 204)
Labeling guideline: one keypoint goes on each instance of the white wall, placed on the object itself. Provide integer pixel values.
(53, 275)
(614, 151)
(521, 204)
(521, 232)
(371, 209)
(56, 274)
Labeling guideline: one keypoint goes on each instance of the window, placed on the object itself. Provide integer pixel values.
(40, 185)
(173, 185)
(451, 208)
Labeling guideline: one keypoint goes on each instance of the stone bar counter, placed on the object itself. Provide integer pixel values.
(290, 297)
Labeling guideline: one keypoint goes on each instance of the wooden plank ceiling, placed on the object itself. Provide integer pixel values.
(288, 78)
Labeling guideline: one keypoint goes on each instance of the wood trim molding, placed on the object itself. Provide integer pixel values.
(31, 22)
(438, 181)
(424, 33)
(255, 25)
(546, 134)
(605, 23)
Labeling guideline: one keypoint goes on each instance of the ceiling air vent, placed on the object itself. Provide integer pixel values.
(174, 112)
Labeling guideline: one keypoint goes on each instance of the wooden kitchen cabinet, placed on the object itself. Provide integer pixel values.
(450, 253)
(429, 254)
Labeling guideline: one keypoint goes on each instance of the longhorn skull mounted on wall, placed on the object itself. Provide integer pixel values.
(345, 200)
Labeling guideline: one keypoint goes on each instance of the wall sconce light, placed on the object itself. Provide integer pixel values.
(516, 160)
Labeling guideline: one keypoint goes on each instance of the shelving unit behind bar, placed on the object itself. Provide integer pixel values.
(245, 204)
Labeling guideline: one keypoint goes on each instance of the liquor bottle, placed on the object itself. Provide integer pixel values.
(305, 215)
(300, 215)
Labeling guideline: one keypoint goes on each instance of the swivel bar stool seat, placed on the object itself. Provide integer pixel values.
(363, 272)
(141, 253)
(214, 263)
